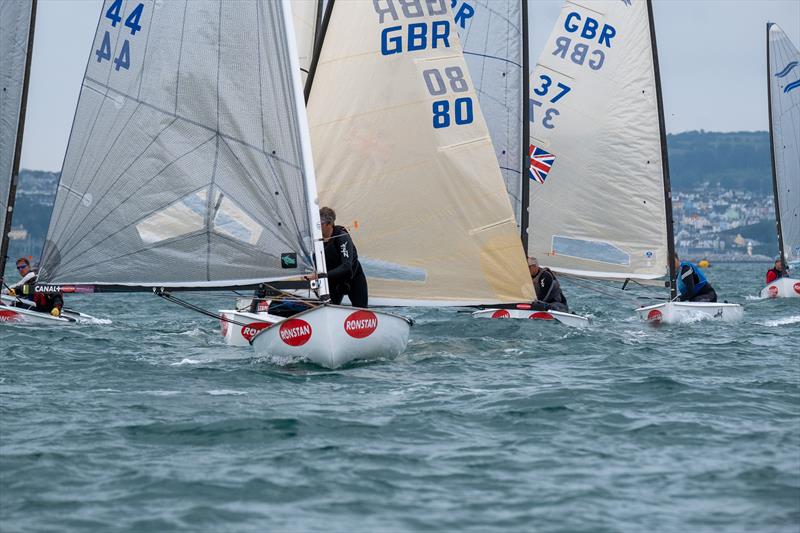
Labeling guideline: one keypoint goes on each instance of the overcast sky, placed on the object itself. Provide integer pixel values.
(711, 53)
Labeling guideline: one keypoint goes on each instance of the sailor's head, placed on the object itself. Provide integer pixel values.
(778, 263)
(23, 266)
(327, 217)
(533, 266)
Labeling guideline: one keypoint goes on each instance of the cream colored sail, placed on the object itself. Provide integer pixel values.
(600, 209)
(304, 16)
(403, 154)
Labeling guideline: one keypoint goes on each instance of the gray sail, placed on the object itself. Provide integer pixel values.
(15, 22)
(784, 94)
(491, 36)
(184, 165)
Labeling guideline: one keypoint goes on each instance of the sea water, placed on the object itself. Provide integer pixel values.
(151, 423)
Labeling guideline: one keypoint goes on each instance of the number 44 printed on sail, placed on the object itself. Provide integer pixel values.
(132, 22)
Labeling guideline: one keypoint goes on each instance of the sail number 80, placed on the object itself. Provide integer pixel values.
(453, 80)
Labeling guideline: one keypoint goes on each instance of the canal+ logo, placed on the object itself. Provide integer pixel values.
(295, 332)
(360, 324)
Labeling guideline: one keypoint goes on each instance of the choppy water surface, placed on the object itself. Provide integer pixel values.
(152, 424)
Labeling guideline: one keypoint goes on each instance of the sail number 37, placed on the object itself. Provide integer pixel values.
(123, 59)
(441, 82)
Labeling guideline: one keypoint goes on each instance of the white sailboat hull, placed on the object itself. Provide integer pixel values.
(568, 319)
(240, 335)
(782, 288)
(331, 336)
(682, 312)
(20, 315)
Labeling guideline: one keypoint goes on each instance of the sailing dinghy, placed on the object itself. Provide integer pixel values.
(783, 89)
(16, 45)
(600, 200)
(404, 155)
(189, 168)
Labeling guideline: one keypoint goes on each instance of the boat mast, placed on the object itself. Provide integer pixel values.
(524, 217)
(772, 156)
(664, 157)
(305, 146)
(318, 41)
(12, 191)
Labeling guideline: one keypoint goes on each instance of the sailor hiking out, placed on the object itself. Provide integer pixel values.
(692, 283)
(548, 290)
(776, 272)
(25, 288)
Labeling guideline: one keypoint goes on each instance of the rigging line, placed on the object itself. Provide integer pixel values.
(192, 307)
(587, 285)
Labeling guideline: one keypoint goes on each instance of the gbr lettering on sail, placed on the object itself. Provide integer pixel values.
(416, 26)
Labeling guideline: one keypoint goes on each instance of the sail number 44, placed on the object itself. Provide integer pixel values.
(123, 59)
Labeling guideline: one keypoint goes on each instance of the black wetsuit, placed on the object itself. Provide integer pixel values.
(345, 275)
(548, 292)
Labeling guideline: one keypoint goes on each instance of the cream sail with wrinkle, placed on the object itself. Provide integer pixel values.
(403, 155)
(597, 206)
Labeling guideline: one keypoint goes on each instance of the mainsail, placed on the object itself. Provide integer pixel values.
(16, 42)
(404, 156)
(187, 164)
(305, 17)
(493, 35)
(599, 195)
(783, 75)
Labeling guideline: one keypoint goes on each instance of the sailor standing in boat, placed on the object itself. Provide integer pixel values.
(548, 290)
(692, 283)
(345, 275)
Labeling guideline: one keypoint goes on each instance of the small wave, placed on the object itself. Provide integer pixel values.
(226, 392)
(196, 332)
(105, 390)
(95, 321)
(780, 321)
(755, 297)
(160, 392)
(187, 361)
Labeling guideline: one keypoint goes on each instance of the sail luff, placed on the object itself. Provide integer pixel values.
(525, 197)
(664, 157)
(772, 152)
(5, 229)
(308, 160)
(318, 42)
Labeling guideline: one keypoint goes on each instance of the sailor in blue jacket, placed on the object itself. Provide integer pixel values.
(692, 283)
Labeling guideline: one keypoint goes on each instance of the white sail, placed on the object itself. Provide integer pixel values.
(15, 22)
(784, 94)
(597, 205)
(304, 16)
(185, 166)
(491, 37)
(403, 155)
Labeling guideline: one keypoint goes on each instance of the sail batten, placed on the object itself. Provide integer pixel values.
(185, 166)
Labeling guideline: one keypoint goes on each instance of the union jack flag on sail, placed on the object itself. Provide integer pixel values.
(541, 162)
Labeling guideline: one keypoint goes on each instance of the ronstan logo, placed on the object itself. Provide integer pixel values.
(360, 324)
(654, 316)
(295, 332)
(9, 316)
(541, 316)
(773, 291)
(501, 313)
(249, 331)
(797, 287)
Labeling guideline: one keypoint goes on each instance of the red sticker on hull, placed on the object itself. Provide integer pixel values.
(295, 332)
(9, 316)
(797, 287)
(223, 325)
(360, 324)
(501, 313)
(655, 316)
(540, 315)
(249, 331)
(772, 291)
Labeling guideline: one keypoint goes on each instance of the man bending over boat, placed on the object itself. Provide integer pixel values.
(345, 275)
(548, 290)
(24, 288)
(776, 271)
(692, 283)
